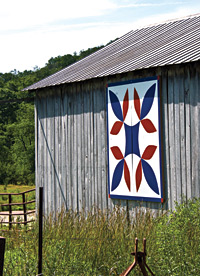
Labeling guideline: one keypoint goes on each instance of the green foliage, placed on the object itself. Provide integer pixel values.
(101, 243)
(17, 119)
(177, 239)
(22, 148)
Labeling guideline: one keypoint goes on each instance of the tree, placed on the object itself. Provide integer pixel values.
(17, 159)
(23, 146)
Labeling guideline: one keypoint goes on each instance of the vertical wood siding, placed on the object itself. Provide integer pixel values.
(71, 140)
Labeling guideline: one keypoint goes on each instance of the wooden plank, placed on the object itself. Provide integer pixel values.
(198, 126)
(64, 161)
(182, 132)
(187, 133)
(80, 137)
(100, 134)
(83, 149)
(57, 190)
(194, 131)
(85, 174)
(17, 214)
(10, 210)
(86, 113)
(74, 153)
(51, 129)
(165, 140)
(109, 200)
(63, 151)
(66, 115)
(95, 147)
(69, 146)
(43, 148)
(60, 155)
(171, 122)
(104, 148)
(99, 130)
(48, 155)
(177, 81)
(92, 148)
(17, 203)
(45, 153)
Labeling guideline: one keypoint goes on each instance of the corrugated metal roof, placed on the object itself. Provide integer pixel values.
(168, 43)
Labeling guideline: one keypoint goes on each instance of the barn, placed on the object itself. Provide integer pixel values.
(71, 120)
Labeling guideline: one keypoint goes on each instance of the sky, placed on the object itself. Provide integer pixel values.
(31, 32)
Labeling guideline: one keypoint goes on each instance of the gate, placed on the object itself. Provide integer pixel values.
(11, 214)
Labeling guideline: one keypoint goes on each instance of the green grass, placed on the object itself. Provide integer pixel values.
(101, 243)
(16, 198)
(14, 188)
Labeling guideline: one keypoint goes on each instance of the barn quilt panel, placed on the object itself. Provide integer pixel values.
(134, 142)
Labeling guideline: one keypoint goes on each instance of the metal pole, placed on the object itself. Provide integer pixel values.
(2, 251)
(40, 230)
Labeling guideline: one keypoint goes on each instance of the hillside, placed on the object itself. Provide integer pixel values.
(17, 159)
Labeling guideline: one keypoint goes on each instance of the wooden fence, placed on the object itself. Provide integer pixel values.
(24, 214)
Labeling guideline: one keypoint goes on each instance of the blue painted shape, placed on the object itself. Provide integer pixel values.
(132, 143)
(142, 198)
(116, 107)
(147, 101)
(129, 140)
(135, 139)
(117, 175)
(150, 176)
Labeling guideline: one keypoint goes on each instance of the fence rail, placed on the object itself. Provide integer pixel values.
(10, 213)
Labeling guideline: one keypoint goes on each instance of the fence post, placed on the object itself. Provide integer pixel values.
(2, 251)
(40, 230)
(10, 211)
(24, 208)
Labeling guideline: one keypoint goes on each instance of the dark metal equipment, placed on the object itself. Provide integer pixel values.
(2, 252)
(140, 259)
(40, 241)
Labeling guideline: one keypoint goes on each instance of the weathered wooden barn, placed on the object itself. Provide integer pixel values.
(71, 124)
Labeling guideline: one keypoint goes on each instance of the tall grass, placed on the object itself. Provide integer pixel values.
(101, 243)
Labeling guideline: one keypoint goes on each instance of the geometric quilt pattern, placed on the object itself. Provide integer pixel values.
(134, 142)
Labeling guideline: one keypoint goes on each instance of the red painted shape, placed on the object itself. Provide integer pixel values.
(116, 128)
(137, 103)
(117, 153)
(149, 152)
(148, 126)
(138, 175)
(127, 175)
(125, 104)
